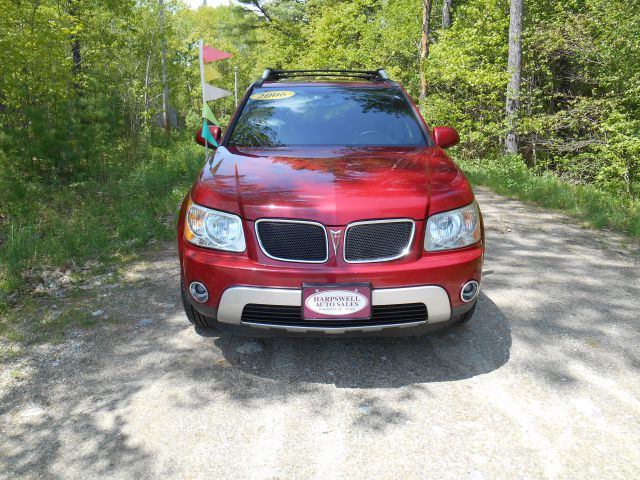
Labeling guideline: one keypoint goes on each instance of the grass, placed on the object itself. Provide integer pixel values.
(510, 176)
(48, 226)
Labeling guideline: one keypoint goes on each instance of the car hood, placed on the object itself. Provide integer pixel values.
(333, 186)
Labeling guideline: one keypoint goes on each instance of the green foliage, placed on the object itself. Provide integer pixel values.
(83, 172)
(510, 176)
(226, 28)
(48, 226)
(582, 99)
(341, 34)
(58, 116)
(467, 74)
(580, 95)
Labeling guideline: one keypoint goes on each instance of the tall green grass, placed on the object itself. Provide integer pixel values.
(46, 226)
(510, 176)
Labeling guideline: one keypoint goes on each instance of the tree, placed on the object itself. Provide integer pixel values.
(75, 41)
(514, 66)
(256, 6)
(163, 57)
(446, 14)
(424, 45)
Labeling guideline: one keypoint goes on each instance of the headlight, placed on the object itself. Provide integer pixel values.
(454, 229)
(213, 229)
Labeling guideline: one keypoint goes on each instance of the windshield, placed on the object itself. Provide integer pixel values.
(327, 115)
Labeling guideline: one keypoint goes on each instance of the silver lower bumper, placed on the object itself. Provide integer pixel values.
(234, 299)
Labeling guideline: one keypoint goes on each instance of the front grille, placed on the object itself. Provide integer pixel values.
(293, 241)
(292, 316)
(378, 241)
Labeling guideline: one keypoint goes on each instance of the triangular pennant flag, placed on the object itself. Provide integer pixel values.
(210, 73)
(208, 114)
(210, 54)
(206, 134)
(213, 93)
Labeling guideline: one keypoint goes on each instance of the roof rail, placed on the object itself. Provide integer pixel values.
(266, 74)
(371, 75)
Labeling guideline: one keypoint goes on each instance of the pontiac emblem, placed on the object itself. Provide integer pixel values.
(335, 239)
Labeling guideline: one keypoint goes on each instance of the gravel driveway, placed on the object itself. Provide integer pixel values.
(543, 383)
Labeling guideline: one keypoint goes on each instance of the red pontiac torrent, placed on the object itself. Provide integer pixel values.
(330, 208)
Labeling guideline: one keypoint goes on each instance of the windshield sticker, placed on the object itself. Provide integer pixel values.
(277, 95)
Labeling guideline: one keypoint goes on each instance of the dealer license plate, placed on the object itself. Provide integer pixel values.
(337, 302)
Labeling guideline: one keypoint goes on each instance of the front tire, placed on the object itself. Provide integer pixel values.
(468, 314)
(193, 315)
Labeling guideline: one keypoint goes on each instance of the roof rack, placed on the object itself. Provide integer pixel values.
(371, 75)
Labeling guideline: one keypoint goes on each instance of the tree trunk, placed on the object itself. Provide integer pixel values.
(446, 14)
(76, 54)
(147, 81)
(515, 69)
(165, 83)
(424, 45)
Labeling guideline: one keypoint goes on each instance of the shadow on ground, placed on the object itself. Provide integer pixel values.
(464, 351)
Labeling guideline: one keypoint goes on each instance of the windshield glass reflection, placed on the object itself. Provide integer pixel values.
(324, 116)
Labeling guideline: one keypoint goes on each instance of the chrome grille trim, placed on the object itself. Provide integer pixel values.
(334, 330)
(292, 316)
(382, 259)
(280, 220)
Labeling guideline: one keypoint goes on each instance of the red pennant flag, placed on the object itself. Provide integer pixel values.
(210, 54)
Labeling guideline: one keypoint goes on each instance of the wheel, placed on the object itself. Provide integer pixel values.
(468, 314)
(193, 315)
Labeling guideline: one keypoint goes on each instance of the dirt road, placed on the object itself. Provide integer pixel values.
(543, 383)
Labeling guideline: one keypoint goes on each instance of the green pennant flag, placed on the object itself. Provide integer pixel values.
(206, 134)
(208, 114)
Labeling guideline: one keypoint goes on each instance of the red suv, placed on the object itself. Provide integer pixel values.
(330, 208)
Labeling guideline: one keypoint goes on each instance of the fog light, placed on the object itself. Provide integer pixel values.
(469, 291)
(199, 292)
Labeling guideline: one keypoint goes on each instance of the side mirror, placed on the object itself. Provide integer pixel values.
(445, 136)
(216, 132)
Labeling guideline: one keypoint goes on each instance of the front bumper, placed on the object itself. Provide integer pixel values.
(236, 280)
(235, 299)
